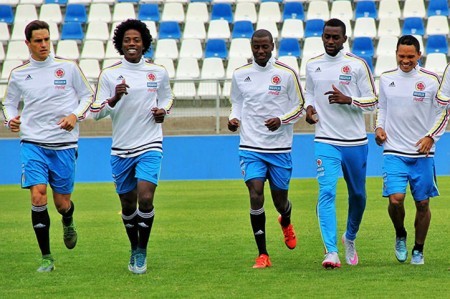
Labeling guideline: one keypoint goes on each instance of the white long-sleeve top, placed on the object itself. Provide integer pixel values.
(50, 90)
(443, 94)
(260, 93)
(339, 124)
(134, 130)
(409, 110)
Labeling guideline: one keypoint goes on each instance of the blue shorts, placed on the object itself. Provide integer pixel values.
(277, 168)
(127, 171)
(419, 172)
(48, 166)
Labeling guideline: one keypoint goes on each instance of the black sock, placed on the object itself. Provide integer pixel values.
(67, 216)
(400, 233)
(41, 224)
(145, 223)
(286, 215)
(418, 247)
(258, 221)
(130, 223)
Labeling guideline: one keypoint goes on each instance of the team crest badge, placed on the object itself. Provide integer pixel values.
(276, 80)
(346, 69)
(59, 73)
(319, 162)
(151, 77)
(420, 86)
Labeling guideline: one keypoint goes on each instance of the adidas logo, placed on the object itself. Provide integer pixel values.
(248, 79)
(260, 232)
(128, 225)
(142, 224)
(318, 69)
(39, 225)
(392, 84)
(28, 77)
(120, 77)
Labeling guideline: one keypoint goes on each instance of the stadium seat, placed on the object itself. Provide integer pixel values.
(90, 68)
(97, 30)
(413, 25)
(269, 11)
(435, 62)
(341, 10)
(312, 46)
(17, 32)
(222, 11)
(363, 46)
(271, 26)
(75, 13)
(72, 30)
(99, 12)
(194, 29)
(293, 10)
(4, 33)
(60, 2)
(245, 11)
(191, 47)
(8, 66)
(365, 27)
(184, 90)
(169, 29)
(242, 29)
(365, 9)
(166, 48)
(240, 47)
(369, 61)
(290, 61)
(67, 49)
(84, 2)
(234, 63)
(292, 28)
(130, 1)
(386, 45)
(151, 25)
(437, 25)
(149, 12)
(436, 44)
(6, 14)
(318, 10)
(314, 27)
(93, 49)
(389, 9)
(51, 13)
(216, 48)
(289, 47)
(197, 11)
(108, 62)
(437, 8)
(218, 29)
(173, 11)
(54, 32)
(111, 52)
(168, 64)
(388, 26)
(414, 8)
(150, 54)
(36, 3)
(123, 11)
(385, 63)
(212, 69)
(12, 3)
(25, 13)
(187, 68)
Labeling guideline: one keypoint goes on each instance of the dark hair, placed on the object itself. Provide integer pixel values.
(262, 33)
(336, 23)
(35, 25)
(137, 25)
(409, 40)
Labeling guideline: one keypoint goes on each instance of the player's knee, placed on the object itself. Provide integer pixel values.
(423, 206)
(397, 200)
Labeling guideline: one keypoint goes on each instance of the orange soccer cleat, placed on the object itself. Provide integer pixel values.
(289, 235)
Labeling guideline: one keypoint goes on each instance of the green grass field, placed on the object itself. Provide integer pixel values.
(202, 247)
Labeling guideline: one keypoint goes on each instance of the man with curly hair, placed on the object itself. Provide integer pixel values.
(137, 96)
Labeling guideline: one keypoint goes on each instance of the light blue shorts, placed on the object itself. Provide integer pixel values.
(277, 168)
(419, 172)
(127, 171)
(48, 166)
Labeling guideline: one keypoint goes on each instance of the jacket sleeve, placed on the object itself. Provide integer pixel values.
(295, 99)
(11, 100)
(367, 101)
(84, 92)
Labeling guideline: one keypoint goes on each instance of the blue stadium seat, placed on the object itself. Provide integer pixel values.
(363, 46)
(216, 48)
(222, 11)
(75, 13)
(149, 12)
(437, 44)
(366, 9)
(314, 27)
(289, 47)
(293, 10)
(169, 29)
(6, 14)
(437, 8)
(242, 29)
(150, 54)
(60, 2)
(72, 30)
(414, 26)
(278, 1)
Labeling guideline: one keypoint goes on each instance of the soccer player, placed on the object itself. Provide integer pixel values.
(339, 88)
(410, 120)
(136, 95)
(56, 96)
(267, 100)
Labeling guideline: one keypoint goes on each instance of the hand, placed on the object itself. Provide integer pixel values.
(425, 144)
(311, 115)
(68, 123)
(120, 90)
(273, 123)
(380, 136)
(233, 124)
(14, 124)
(158, 115)
(335, 96)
